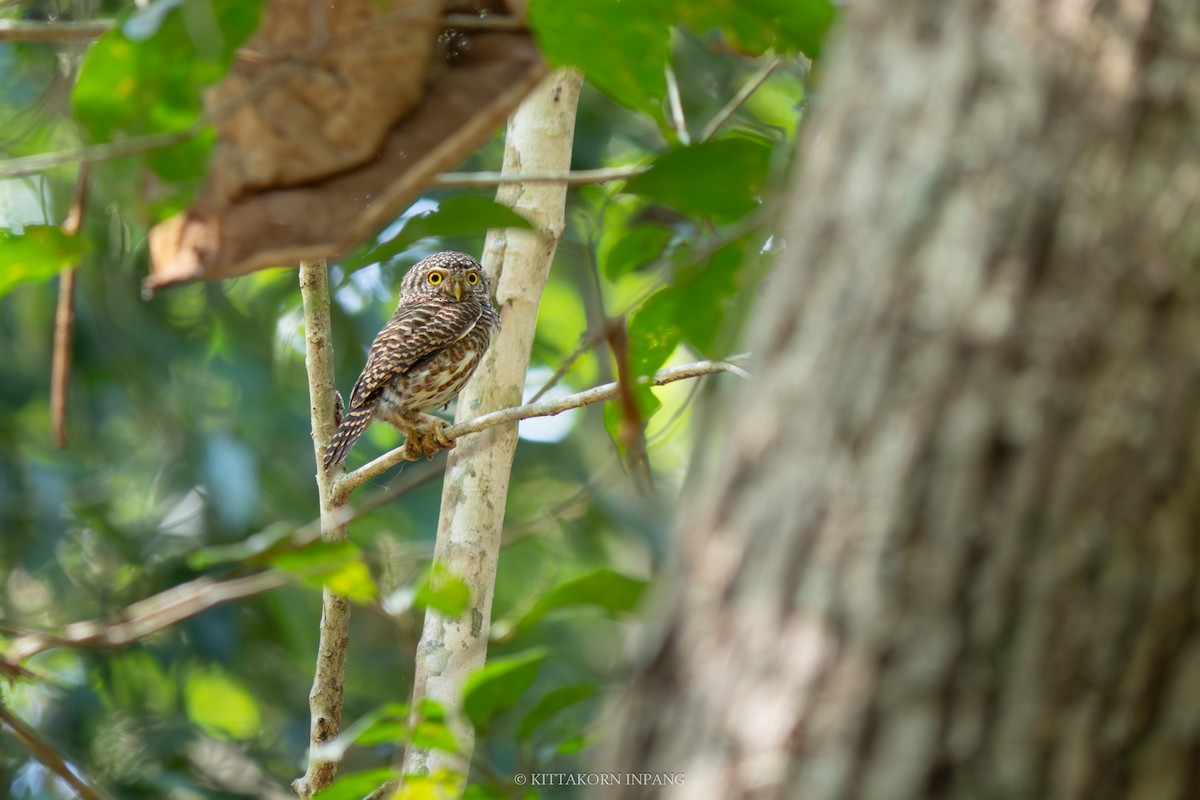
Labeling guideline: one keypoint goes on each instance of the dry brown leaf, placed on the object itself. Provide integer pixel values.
(325, 86)
(274, 199)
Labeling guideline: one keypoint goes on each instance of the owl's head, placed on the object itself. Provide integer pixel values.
(455, 276)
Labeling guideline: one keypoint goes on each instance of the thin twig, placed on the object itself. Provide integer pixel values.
(723, 116)
(169, 607)
(64, 320)
(582, 177)
(49, 756)
(546, 408)
(12, 30)
(678, 121)
(148, 616)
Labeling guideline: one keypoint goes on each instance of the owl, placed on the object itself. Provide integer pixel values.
(423, 356)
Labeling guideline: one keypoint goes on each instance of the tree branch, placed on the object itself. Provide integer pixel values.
(325, 699)
(12, 30)
(474, 494)
(148, 616)
(581, 177)
(546, 408)
(50, 756)
(172, 606)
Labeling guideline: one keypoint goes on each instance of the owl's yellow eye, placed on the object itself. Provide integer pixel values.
(435, 278)
(472, 278)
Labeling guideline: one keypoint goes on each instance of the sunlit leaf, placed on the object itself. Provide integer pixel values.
(39, 252)
(499, 685)
(444, 592)
(337, 565)
(601, 36)
(221, 705)
(551, 703)
(440, 785)
(355, 785)
(721, 177)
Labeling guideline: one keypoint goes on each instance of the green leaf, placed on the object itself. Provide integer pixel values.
(356, 785)
(756, 26)
(551, 703)
(275, 538)
(654, 332)
(41, 251)
(499, 685)
(720, 177)
(336, 565)
(703, 294)
(148, 74)
(639, 246)
(603, 587)
(440, 785)
(434, 736)
(621, 45)
(444, 592)
(221, 705)
(459, 215)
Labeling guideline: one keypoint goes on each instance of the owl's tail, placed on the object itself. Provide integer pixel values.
(347, 434)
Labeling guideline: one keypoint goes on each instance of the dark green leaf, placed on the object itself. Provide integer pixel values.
(499, 685)
(621, 45)
(704, 293)
(551, 703)
(455, 216)
(721, 177)
(604, 588)
(759, 25)
(638, 247)
(40, 252)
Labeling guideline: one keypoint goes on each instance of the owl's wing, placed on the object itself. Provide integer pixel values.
(414, 333)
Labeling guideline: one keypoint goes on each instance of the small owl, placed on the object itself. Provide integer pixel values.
(423, 356)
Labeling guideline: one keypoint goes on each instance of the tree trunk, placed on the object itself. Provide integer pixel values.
(954, 549)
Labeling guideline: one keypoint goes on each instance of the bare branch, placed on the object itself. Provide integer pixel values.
(60, 32)
(329, 679)
(64, 320)
(12, 30)
(730, 108)
(678, 120)
(49, 756)
(582, 177)
(148, 616)
(546, 408)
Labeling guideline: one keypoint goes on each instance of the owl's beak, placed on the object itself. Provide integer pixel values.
(458, 290)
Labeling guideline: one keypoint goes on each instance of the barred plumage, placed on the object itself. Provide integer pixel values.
(423, 356)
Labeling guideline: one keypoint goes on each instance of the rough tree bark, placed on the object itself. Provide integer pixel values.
(954, 548)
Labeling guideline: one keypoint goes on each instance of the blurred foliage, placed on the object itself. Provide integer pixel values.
(190, 452)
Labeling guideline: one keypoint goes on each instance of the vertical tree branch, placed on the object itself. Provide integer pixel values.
(539, 139)
(325, 699)
(64, 320)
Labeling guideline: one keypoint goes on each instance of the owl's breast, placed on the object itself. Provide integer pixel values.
(433, 382)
